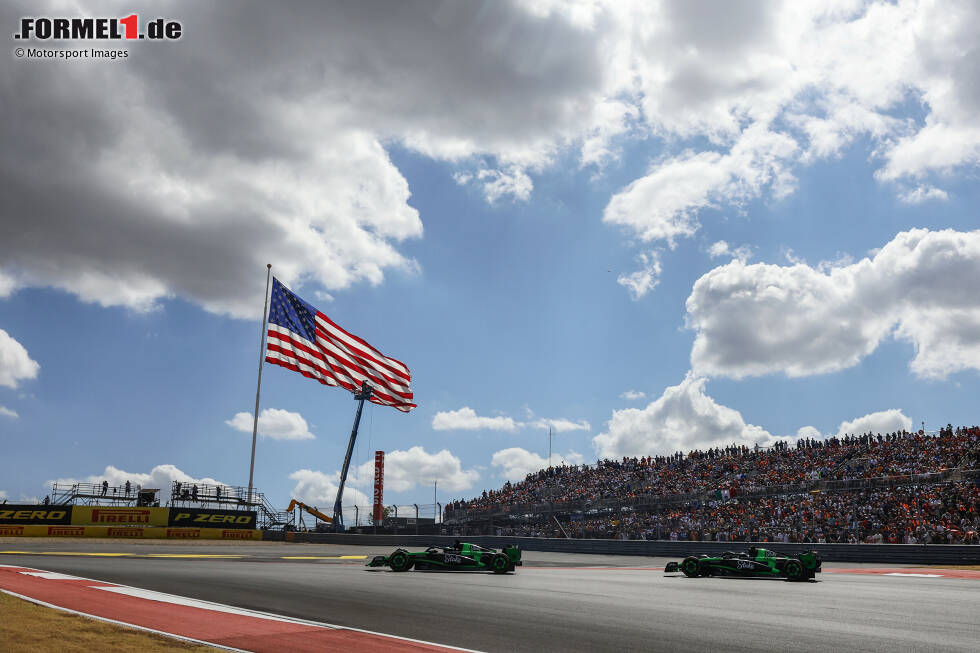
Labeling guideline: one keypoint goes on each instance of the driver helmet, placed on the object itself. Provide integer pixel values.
(753, 551)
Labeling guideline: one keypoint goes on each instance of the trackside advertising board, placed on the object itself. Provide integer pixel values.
(129, 532)
(34, 514)
(110, 516)
(201, 518)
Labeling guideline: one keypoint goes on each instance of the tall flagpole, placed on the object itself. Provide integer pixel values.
(258, 387)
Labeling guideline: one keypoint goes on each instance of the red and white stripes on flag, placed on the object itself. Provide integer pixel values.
(303, 339)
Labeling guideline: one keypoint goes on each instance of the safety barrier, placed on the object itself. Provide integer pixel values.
(65, 515)
(884, 553)
(129, 532)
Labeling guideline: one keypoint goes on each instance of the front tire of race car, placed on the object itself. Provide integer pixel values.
(500, 564)
(794, 571)
(399, 561)
(690, 567)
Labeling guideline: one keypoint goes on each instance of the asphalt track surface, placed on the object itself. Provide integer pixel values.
(556, 602)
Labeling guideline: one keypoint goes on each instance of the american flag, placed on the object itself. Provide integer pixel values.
(305, 340)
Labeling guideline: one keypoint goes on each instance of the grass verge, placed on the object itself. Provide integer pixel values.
(28, 628)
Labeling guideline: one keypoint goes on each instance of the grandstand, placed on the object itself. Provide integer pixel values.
(900, 487)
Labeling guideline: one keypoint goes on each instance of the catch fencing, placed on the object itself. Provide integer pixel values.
(919, 554)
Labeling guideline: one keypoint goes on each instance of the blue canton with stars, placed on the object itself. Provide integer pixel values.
(292, 313)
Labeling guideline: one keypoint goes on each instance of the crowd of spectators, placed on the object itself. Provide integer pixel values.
(947, 513)
(715, 494)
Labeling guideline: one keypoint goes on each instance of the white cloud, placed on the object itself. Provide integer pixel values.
(516, 463)
(632, 395)
(501, 183)
(809, 432)
(415, 467)
(885, 421)
(560, 424)
(160, 477)
(681, 419)
(923, 194)
(664, 204)
(799, 320)
(721, 248)
(315, 488)
(3, 495)
(645, 279)
(230, 176)
(6, 412)
(274, 423)
(7, 285)
(466, 419)
(15, 364)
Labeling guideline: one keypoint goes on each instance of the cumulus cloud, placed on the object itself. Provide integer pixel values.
(642, 281)
(160, 477)
(885, 421)
(288, 164)
(318, 489)
(664, 204)
(516, 463)
(800, 320)
(3, 495)
(414, 467)
(632, 395)
(274, 423)
(6, 412)
(809, 432)
(466, 419)
(681, 419)
(923, 194)
(15, 364)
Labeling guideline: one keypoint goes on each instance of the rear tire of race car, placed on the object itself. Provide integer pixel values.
(500, 564)
(690, 567)
(794, 571)
(400, 561)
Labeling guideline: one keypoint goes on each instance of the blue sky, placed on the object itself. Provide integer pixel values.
(612, 220)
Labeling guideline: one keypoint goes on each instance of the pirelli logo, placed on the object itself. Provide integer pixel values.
(190, 533)
(11, 530)
(67, 531)
(127, 516)
(125, 532)
(236, 535)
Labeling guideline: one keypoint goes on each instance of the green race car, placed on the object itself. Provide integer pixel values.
(462, 556)
(757, 562)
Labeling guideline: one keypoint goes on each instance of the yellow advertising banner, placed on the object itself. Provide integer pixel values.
(151, 532)
(112, 516)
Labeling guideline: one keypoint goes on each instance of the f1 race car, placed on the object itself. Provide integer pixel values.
(462, 556)
(757, 562)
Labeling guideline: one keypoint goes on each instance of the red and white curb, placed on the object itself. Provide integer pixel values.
(224, 626)
(927, 572)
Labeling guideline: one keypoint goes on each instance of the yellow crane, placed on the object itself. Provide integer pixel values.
(313, 511)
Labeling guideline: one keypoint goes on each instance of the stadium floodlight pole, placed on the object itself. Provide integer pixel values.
(258, 387)
(338, 515)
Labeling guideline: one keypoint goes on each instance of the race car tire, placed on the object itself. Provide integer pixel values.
(399, 561)
(794, 571)
(500, 564)
(691, 567)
